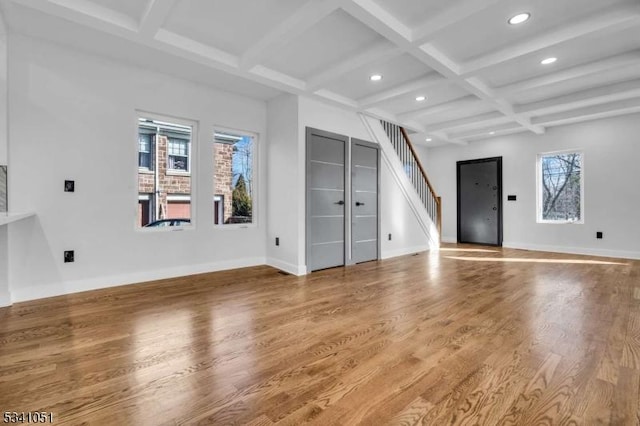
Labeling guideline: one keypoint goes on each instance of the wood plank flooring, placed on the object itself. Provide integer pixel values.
(469, 335)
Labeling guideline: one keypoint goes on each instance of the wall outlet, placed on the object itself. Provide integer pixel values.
(69, 256)
(599, 235)
(389, 237)
(69, 186)
(277, 241)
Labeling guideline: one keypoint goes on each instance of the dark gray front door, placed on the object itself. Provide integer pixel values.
(325, 199)
(480, 201)
(364, 201)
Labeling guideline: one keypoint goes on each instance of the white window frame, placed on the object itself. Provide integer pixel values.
(151, 151)
(194, 124)
(539, 188)
(255, 176)
(179, 172)
(220, 200)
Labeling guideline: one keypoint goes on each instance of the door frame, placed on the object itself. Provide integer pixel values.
(349, 248)
(498, 161)
(310, 131)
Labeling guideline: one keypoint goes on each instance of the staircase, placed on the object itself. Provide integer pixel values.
(415, 172)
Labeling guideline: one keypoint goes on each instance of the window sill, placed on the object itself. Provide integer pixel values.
(561, 222)
(155, 229)
(145, 171)
(232, 226)
(178, 173)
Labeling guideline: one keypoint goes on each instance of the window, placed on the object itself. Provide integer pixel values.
(164, 181)
(145, 144)
(144, 209)
(218, 209)
(178, 150)
(234, 199)
(560, 187)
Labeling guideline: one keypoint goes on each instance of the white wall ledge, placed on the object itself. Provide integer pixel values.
(6, 218)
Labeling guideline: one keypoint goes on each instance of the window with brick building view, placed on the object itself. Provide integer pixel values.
(233, 180)
(164, 173)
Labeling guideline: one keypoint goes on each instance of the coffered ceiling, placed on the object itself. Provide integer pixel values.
(480, 75)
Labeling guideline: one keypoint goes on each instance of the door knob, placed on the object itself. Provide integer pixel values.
(495, 208)
(358, 203)
(339, 202)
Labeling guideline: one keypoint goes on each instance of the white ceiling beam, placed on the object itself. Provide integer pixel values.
(420, 133)
(481, 120)
(498, 133)
(379, 52)
(599, 95)
(86, 13)
(303, 19)
(457, 12)
(442, 136)
(627, 106)
(327, 94)
(378, 19)
(615, 20)
(180, 47)
(502, 129)
(154, 16)
(180, 44)
(597, 67)
(402, 89)
(461, 103)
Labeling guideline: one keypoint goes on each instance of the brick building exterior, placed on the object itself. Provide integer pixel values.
(223, 177)
(172, 198)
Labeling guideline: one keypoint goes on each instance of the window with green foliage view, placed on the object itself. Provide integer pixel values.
(234, 178)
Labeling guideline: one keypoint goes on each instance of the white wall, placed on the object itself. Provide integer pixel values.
(73, 116)
(3, 91)
(283, 207)
(5, 297)
(611, 176)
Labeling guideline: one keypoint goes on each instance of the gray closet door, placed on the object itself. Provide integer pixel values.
(325, 199)
(364, 202)
(480, 201)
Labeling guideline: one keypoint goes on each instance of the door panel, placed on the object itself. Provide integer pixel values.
(323, 202)
(480, 201)
(325, 199)
(364, 202)
(326, 175)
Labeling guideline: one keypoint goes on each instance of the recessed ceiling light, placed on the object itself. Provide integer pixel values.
(548, 61)
(420, 98)
(428, 139)
(519, 18)
(375, 77)
(492, 133)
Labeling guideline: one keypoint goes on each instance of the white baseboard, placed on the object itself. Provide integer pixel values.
(453, 240)
(298, 270)
(77, 286)
(622, 254)
(387, 254)
(5, 299)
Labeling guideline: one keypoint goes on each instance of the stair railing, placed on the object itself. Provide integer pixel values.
(415, 172)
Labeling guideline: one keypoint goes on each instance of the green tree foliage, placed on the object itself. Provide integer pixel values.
(240, 199)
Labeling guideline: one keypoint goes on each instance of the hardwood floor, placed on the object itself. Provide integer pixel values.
(469, 335)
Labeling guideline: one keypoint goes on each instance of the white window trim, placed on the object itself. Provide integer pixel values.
(539, 194)
(178, 197)
(255, 200)
(150, 152)
(178, 172)
(195, 125)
